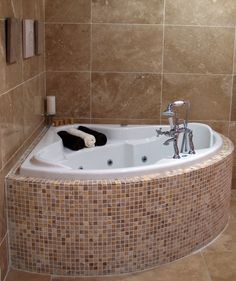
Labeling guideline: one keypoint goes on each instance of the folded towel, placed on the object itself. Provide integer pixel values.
(70, 141)
(101, 139)
(89, 140)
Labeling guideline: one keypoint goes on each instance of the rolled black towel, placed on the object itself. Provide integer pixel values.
(70, 141)
(101, 139)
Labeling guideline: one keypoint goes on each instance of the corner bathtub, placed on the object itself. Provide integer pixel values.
(131, 151)
(121, 208)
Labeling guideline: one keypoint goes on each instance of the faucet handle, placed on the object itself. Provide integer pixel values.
(159, 132)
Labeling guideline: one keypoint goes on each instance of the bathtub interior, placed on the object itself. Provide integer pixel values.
(127, 148)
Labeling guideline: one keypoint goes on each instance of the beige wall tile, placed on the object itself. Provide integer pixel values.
(210, 95)
(33, 9)
(221, 127)
(4, 258)
(33, 96)
(128, 11)
(232, 136)
(233, 109)
(68, 47)
(11, 122)
(68, 11)
(201, 12)
(10, 8)
(72, 91)
(128, 95)
(198, 50)
(3, 220)
(136, 48)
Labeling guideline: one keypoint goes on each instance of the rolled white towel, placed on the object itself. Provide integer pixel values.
(89, 140)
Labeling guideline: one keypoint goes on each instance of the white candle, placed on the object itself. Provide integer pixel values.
(51, 105)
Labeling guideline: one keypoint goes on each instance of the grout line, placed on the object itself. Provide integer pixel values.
(105, 23)
(4, 237)
(207, 269)
(91, 62)
(139, 72)
(7, 244)
(68, 71)
(8, 271)
(142, 24)
(162, 59)
(232, 86)
(199, 74)
(45, 69)
(22, 83)
(67, 23)
(200, 26)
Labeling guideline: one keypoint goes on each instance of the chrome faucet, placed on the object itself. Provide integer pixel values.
(176, 129)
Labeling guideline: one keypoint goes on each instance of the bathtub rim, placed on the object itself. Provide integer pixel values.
(225, 150)
(35, 168)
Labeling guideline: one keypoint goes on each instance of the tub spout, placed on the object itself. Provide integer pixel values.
(167, 142)
(175, 143)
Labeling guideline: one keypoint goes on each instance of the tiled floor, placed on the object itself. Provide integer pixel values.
(215, 263)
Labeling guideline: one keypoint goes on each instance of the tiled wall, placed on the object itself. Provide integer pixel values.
(112, 61)
(22, 88)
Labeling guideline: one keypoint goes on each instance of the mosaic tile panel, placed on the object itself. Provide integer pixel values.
(106, 227)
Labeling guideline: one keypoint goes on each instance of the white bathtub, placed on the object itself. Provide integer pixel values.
(130, 151)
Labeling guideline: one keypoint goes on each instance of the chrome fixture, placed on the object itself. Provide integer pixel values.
(176, 129)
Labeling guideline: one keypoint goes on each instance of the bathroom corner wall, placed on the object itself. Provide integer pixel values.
(22, 90)
(123, 61)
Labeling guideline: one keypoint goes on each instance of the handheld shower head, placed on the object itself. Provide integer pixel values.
(169, 111)
(178, 103)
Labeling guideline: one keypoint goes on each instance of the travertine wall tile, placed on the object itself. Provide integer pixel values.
(72, 91)
(131, 11)
(68, 11)
(233, 108)
(33, 97)
(201, 12)
(10, 8)
(199, 50)
(4, 257)
(210, 95)
(3, 219)
(133, 96)
(68, 47)
(11, 122)
(126, 48)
